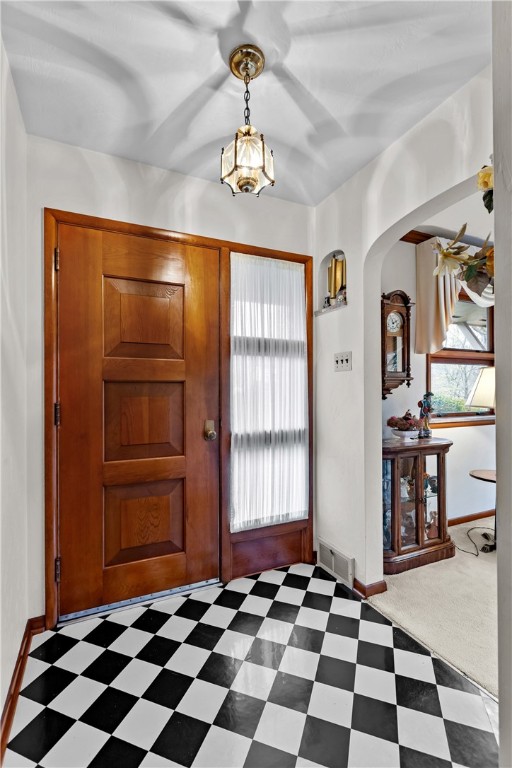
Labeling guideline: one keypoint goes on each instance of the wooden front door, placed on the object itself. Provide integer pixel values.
(137, 377)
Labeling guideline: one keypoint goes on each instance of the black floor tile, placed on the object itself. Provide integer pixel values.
(295, 581)
(319, 602)
(307, 639)
(411, 758)
(51, 650)
(325, 743)
(377, 718)
(450, 678)
(266, 653)
(336, 672)
(377, 656)
(106, 667)
(263, 756)
(192, 609)
(417, 694)
(168, 688)
(205, 636)
(181, 739)
(404, 642)
(240, 713)
(41, 734)
(340, 590)
(109, 709)
(228, 598)
(105, 633)
(265, 589)
(116, 752)
(370, 614)
(247, 623)
(319, 573)
(151, 621)
(343, 625)
(283, 611)
(220, 670)
(158, 651)
(48, 685)
(291, 691)
(471, 747)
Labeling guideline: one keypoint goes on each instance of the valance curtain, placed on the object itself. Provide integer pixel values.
(269, 393)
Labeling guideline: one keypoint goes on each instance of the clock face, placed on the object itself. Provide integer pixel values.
(394, 322)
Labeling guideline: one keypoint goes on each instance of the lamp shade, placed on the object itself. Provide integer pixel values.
(247, 165)
(483, 394)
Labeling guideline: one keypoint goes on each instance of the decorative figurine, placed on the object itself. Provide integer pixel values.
(426, 409)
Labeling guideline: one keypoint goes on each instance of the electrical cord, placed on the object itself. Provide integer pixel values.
(476, 553)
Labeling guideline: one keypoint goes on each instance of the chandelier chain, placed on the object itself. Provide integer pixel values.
(247, 96)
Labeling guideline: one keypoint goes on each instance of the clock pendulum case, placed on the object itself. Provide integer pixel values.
(395, 341)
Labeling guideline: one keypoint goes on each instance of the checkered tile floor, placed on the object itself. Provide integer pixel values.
(281, 669)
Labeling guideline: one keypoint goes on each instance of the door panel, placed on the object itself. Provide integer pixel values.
(138, 346)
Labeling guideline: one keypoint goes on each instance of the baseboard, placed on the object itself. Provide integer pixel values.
(368, 590)
(33, 627)
(470, 518)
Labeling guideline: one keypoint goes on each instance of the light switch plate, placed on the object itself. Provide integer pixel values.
(342, 361)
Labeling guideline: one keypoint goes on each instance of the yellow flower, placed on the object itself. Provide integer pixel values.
(485, 178)
(448, 262)
(489, 262)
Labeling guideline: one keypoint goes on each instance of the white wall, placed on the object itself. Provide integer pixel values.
(405, 185)
(13, 474)
(473, 447)
(71, 179)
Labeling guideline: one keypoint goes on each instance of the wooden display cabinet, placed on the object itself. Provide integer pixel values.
(414, 503)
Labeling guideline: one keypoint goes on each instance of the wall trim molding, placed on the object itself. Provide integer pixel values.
(470, 518)
(33, 627)
(368, 590)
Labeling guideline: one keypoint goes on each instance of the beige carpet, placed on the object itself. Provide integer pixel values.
(451, 607)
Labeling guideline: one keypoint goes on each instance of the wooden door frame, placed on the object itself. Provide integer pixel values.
(227, 541)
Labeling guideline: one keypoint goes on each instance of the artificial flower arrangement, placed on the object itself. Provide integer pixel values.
(405, 423)
(485, 181)
(477, 270)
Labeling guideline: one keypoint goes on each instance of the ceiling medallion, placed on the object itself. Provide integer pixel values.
(247, 164)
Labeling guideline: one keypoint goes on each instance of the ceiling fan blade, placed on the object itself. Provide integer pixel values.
(325, 125)
(176, 12)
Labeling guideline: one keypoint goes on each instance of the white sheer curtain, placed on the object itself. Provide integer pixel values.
(269, 392)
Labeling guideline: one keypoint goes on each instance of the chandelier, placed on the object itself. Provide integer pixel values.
(247, 164)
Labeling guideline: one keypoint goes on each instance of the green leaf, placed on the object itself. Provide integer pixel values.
(470, 272)
(488, 199)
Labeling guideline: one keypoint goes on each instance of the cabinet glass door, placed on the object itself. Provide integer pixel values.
(430, 498)
(387, 503)
(408, 475)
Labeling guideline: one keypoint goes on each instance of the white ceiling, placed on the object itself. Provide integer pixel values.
(149, 81)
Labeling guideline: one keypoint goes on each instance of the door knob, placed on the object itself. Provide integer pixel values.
(209, 430)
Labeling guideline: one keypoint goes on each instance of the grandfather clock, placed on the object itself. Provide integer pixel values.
(395, 341)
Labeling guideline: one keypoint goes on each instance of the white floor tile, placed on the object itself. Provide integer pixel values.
(33, 669)
(77, 747)
(302, 569)
(375, 683)
(177, 628)
(222, 749)
(234, 644)
(275, 630)
(241, 585)
(202, 701)
(492, 708)
(273, 577)
(155, 761)
(40, 638)
(366, 751)
(169, 605)
(465, 708)
(219, 616)
(281, 728)
(127, 616)
(372, 632)
(331, 704)
(303, 763)
(295, 661)
(309, 617)
(290, 595)
(188, 659)
(79, 657)
(322, 586)
(254, 680)
(350, 608)
(80, 629)
(26, 710)
(77, 697)
(143, 724)
(136, 677)
(208, 595)
(414, 665)
(340, 647)
(422, 732)
(260, 606)
(130, 642)
(14, 760)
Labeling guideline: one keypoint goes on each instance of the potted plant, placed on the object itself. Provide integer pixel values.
(406, 426)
